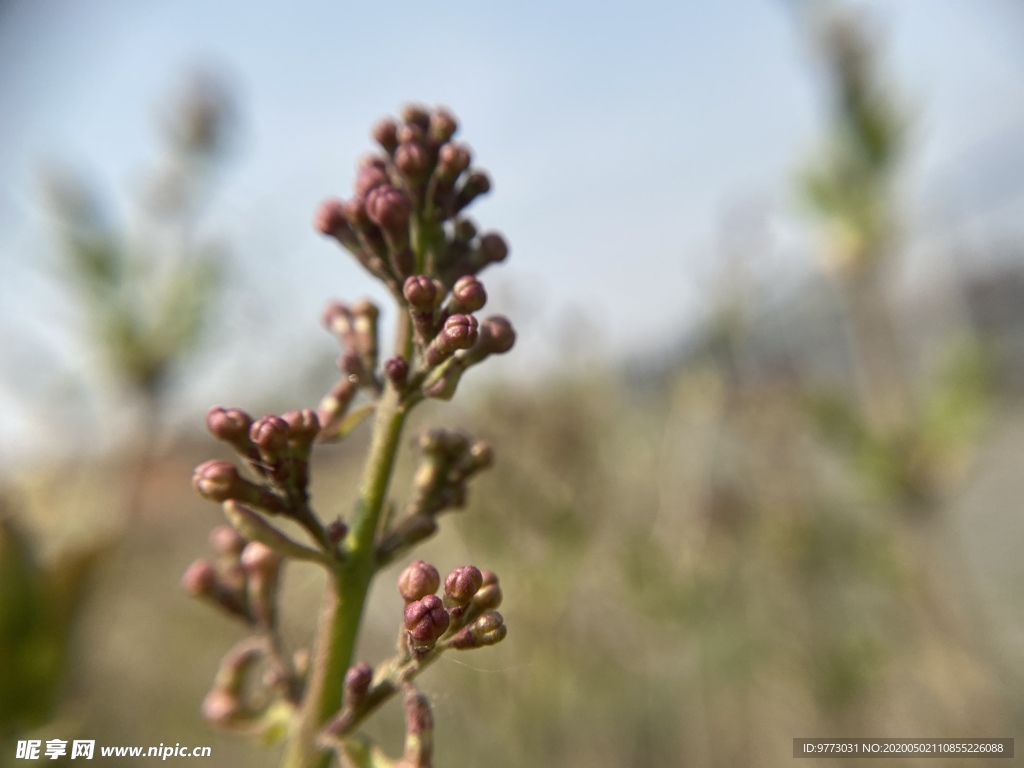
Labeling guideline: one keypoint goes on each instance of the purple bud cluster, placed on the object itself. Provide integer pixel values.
(466, 616)
(242, 579)
(405, 224)
(420, 182)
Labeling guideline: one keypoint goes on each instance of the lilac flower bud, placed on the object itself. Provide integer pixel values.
(421, 292)
(488, 629)
(334, 405)
(262, 567)
(422, 295)
(468, 296)
(443, 443)
(221, 707)
(481, 455)
(419, 731)
(461, 584)
(388, 208)
(258, 558)
(230, 425)
(489, 596)
(331, 220)
(303, 427)
(410, 133)
(270, 434)
(463, 230)
(226, 541)
(370, 178)
(330, 216)
(357, 684)
(354, 211)
(385, 133)
(218, 480)
(413, 160)
(397, 371)
(493, 248)
(415, 114)
(200, 579)
(371, 160)
(427, 620)
(337, 531)
(459, 332)
(364, 325)
(443, 125)
(337, 318)
(418, 580)
(452, 160)
(496, 335)
(476, 184)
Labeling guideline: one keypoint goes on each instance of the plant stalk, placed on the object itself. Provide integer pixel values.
(346, 592)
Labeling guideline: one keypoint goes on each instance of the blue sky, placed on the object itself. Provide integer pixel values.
(619, 136)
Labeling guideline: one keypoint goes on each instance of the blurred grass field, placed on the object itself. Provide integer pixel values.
(666, 605)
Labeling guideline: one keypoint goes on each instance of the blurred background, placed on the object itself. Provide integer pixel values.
(760, 441)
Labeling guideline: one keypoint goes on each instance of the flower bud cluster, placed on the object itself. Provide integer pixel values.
(242, 580)
(449, 460)
(417, 187)
(405, 224)
(466, 616)
(276, 449)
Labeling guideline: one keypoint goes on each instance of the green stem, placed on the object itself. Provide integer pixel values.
(347, 588)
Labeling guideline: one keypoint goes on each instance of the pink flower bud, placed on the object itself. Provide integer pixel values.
(461, 584)
(199, 579)
(415, 114)
(388, 208)
(385, 133)
(460, 331)
(421, 292)
(468, 295)
(443, 125)
(488, 629)
(337, 531)
(493, 248)
(397, 371)
(226, 541)
(270, 434)
(497, 335)
(369, 178)
(413, 160)
(217, 480)
(228, 424)
(357, 683)
(303, 426)
(476, 184)
(418, 580)
(221, 707)
(452, 159)
(427, 620)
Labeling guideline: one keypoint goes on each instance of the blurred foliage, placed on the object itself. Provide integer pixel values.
(850, 186)
(38, 605)
(149, 288)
